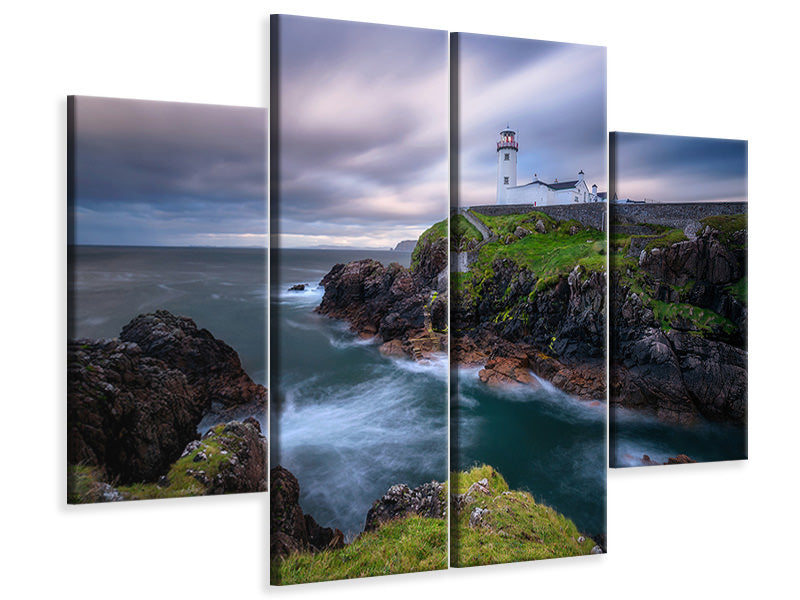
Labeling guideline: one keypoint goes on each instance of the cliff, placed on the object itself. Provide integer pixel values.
(134, 405)
(405, 308)
(534, 299)
(679, 319)
(405, 246)
(405, 531)
(492, 524)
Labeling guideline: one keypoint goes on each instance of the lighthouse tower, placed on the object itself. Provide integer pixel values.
(507, 148)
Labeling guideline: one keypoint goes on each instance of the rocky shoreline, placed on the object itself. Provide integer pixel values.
(134, 404)
(511, 320)
(403, 308)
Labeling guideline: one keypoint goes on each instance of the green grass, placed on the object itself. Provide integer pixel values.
(739, 290)
(673, 236)
(502, 225)
(182, 484)
(403, 546)
(727, 225)
(516, 528)
(462, 231)
(82, 483)
(703, 320)
(549, 256)
(430, 235)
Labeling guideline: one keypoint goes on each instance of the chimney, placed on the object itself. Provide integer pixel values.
(594, 189)
(580, 176)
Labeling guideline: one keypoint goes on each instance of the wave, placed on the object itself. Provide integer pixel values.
(347, 442)
(435, 366)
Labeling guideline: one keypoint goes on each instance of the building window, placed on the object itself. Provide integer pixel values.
(505, 180)
(507, 156)
(576, 198)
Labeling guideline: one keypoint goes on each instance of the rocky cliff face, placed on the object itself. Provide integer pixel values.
(405, 308)
(134, 404)
(292, 531)
(679, 329)
(558, 332)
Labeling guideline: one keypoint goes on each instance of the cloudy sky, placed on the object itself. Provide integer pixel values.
(667, 168)
(363, 131)
(168, 173)
(552, 94)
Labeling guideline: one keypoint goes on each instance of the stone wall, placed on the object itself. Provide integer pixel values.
(589, 214)
(673, 215)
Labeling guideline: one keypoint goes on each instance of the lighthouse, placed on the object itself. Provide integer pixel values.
(507, 148)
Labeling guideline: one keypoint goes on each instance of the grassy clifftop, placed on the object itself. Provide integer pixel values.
(429, 236)
(492, 524)
(535, 241)
(673, 303)
(404, 546)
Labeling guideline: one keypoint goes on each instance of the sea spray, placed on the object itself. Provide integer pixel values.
(347, 421)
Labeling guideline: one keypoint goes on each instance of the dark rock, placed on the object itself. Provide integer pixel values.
(690, 367)
(211, 367)
(391, 302)
(705, 259)
(129, 414)
(290, 530)
(681, 459)
(245, 450)
(299, 287)
(400, 501)
(134, 404)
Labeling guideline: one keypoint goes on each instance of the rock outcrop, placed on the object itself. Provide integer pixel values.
(513, 328)
(406, 309)
(127, 413)
(689, 361)
(244, 467)
(290, 530)
(427, 500)
(134, 404)
(211, 366)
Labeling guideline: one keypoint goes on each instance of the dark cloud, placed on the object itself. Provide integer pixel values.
(553, 94)
(169, 173)
(680, 169)
(361, 131)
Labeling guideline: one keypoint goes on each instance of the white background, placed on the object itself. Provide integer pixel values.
(722, 69)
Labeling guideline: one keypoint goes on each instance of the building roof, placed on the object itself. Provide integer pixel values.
(562, 185)
(602, 195)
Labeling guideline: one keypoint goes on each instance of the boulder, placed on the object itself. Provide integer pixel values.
(400, 501)
(210, 365)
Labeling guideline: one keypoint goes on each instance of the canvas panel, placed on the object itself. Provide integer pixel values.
(528, 242)
(166, 357)
(678, 254)
(358, 299)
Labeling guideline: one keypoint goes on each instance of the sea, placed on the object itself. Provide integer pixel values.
(541, 440)
(346, 421)
(635, 433)
(224, 290)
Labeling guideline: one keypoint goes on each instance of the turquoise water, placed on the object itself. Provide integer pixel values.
(348, 422)
(634, 433)
(542, 441)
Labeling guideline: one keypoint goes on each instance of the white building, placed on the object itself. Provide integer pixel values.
(537, 192)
